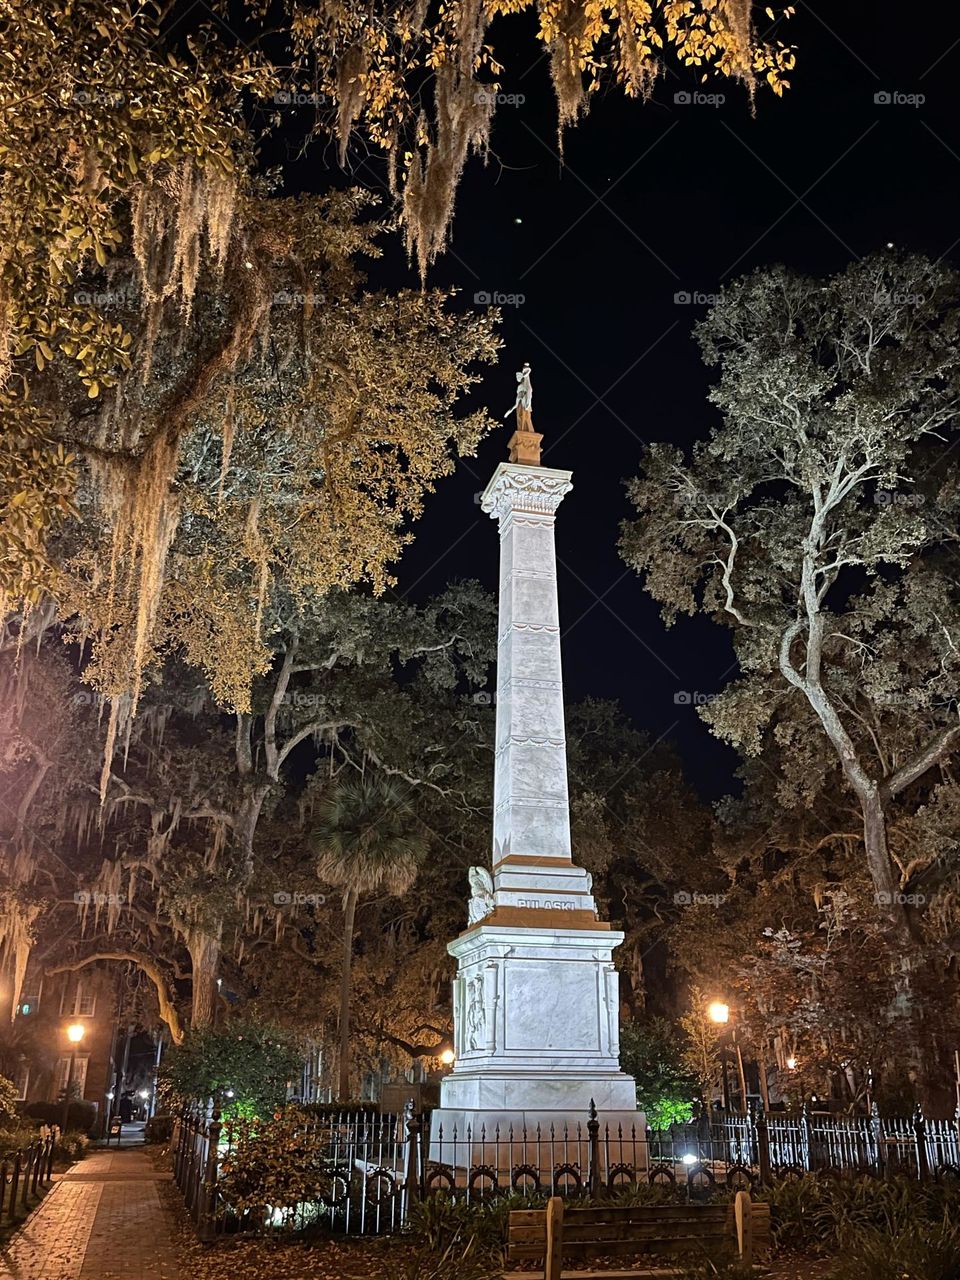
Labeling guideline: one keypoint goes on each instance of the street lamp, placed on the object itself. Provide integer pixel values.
(447, 1057)
(75, 1033)
(719, 1012)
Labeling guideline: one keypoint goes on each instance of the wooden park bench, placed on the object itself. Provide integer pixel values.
(722, 1233)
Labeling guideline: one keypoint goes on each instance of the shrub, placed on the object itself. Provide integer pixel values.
(275, 1165)
(71, 1146)
(81, 1116)
(923, 1251)
(250, 1060)
(8, 1100)
(814, 1214)
(653, 1053)
(159, 1128)
(439, 1222)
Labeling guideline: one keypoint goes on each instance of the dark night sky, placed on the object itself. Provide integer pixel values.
(654, 200)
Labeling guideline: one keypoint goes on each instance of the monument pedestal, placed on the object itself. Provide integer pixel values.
(536, 1036)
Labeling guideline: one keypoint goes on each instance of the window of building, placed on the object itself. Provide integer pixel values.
(79, 1001)
(22, 1079)
(79, 1074)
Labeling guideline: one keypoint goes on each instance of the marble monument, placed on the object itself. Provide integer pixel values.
(535, 999)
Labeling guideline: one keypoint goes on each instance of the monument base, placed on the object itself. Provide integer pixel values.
(536, 1017)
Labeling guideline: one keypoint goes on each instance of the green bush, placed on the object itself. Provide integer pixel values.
(81, 1116)
(653, 1053)
(922, 1251)
(244, 1066)
(439, 1222)
(8, 1100)
(71, 1146)
(159, 1128)
(821, 1215)
(275, 1165)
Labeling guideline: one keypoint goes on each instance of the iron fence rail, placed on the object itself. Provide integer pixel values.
(376, 1167)
(25, 1173)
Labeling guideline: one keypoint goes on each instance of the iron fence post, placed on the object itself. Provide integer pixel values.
(762, 1133)
(806, 1122)
(593, 1135)
(411, 1121)
(207, 1218)
(876, 1130)
(920, 1134)
(15, 1182)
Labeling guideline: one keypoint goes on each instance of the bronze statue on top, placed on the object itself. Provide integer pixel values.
(524, 444)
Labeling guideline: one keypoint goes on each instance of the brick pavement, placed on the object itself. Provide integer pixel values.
(104, 1220)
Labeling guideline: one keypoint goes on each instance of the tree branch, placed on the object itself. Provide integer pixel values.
(168, 1010)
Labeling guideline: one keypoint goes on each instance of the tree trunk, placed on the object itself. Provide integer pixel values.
(886, 888)
(204, 951)
(349, 914)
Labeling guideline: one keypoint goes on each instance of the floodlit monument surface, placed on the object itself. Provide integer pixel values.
(536, 1004)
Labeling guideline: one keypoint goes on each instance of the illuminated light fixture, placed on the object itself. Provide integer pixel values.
(688, 1158)
(717, 1011)
(447, 1057)
(791, 1064)
(76, 1032)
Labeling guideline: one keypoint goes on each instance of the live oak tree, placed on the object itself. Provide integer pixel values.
(100, 124)
(296, 465)
(134, 188)
(819, 522)
(171, 873)
(200, 395)
(421, 82)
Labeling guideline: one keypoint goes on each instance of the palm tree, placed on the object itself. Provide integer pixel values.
(366, 838)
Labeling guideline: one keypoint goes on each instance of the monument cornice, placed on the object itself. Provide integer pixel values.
(534, 490)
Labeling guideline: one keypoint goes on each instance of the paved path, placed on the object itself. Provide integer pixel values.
(103, 1220)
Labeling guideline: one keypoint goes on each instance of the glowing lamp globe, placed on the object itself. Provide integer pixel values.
(718, 1011)
(76, 1032)
(447, 1057)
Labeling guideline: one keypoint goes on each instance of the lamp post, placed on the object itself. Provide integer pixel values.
(719, 1013)
(75, 1033)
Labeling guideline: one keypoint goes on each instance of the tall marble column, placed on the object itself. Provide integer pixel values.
(536, 1008)
(532, 862)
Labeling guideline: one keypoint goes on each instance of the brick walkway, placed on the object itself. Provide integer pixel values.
(103, 1220)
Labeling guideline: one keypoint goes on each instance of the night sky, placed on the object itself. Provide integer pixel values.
(655, 200)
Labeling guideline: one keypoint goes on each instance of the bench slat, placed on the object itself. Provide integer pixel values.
(712, 1245)
(526, 1252)
(715, 1246)
(528, 1235)
(646, 1212)
(600, 1231)
(527, 1217)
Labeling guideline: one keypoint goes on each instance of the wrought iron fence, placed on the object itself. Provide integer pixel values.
(24, 1175)
(373, 1168)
